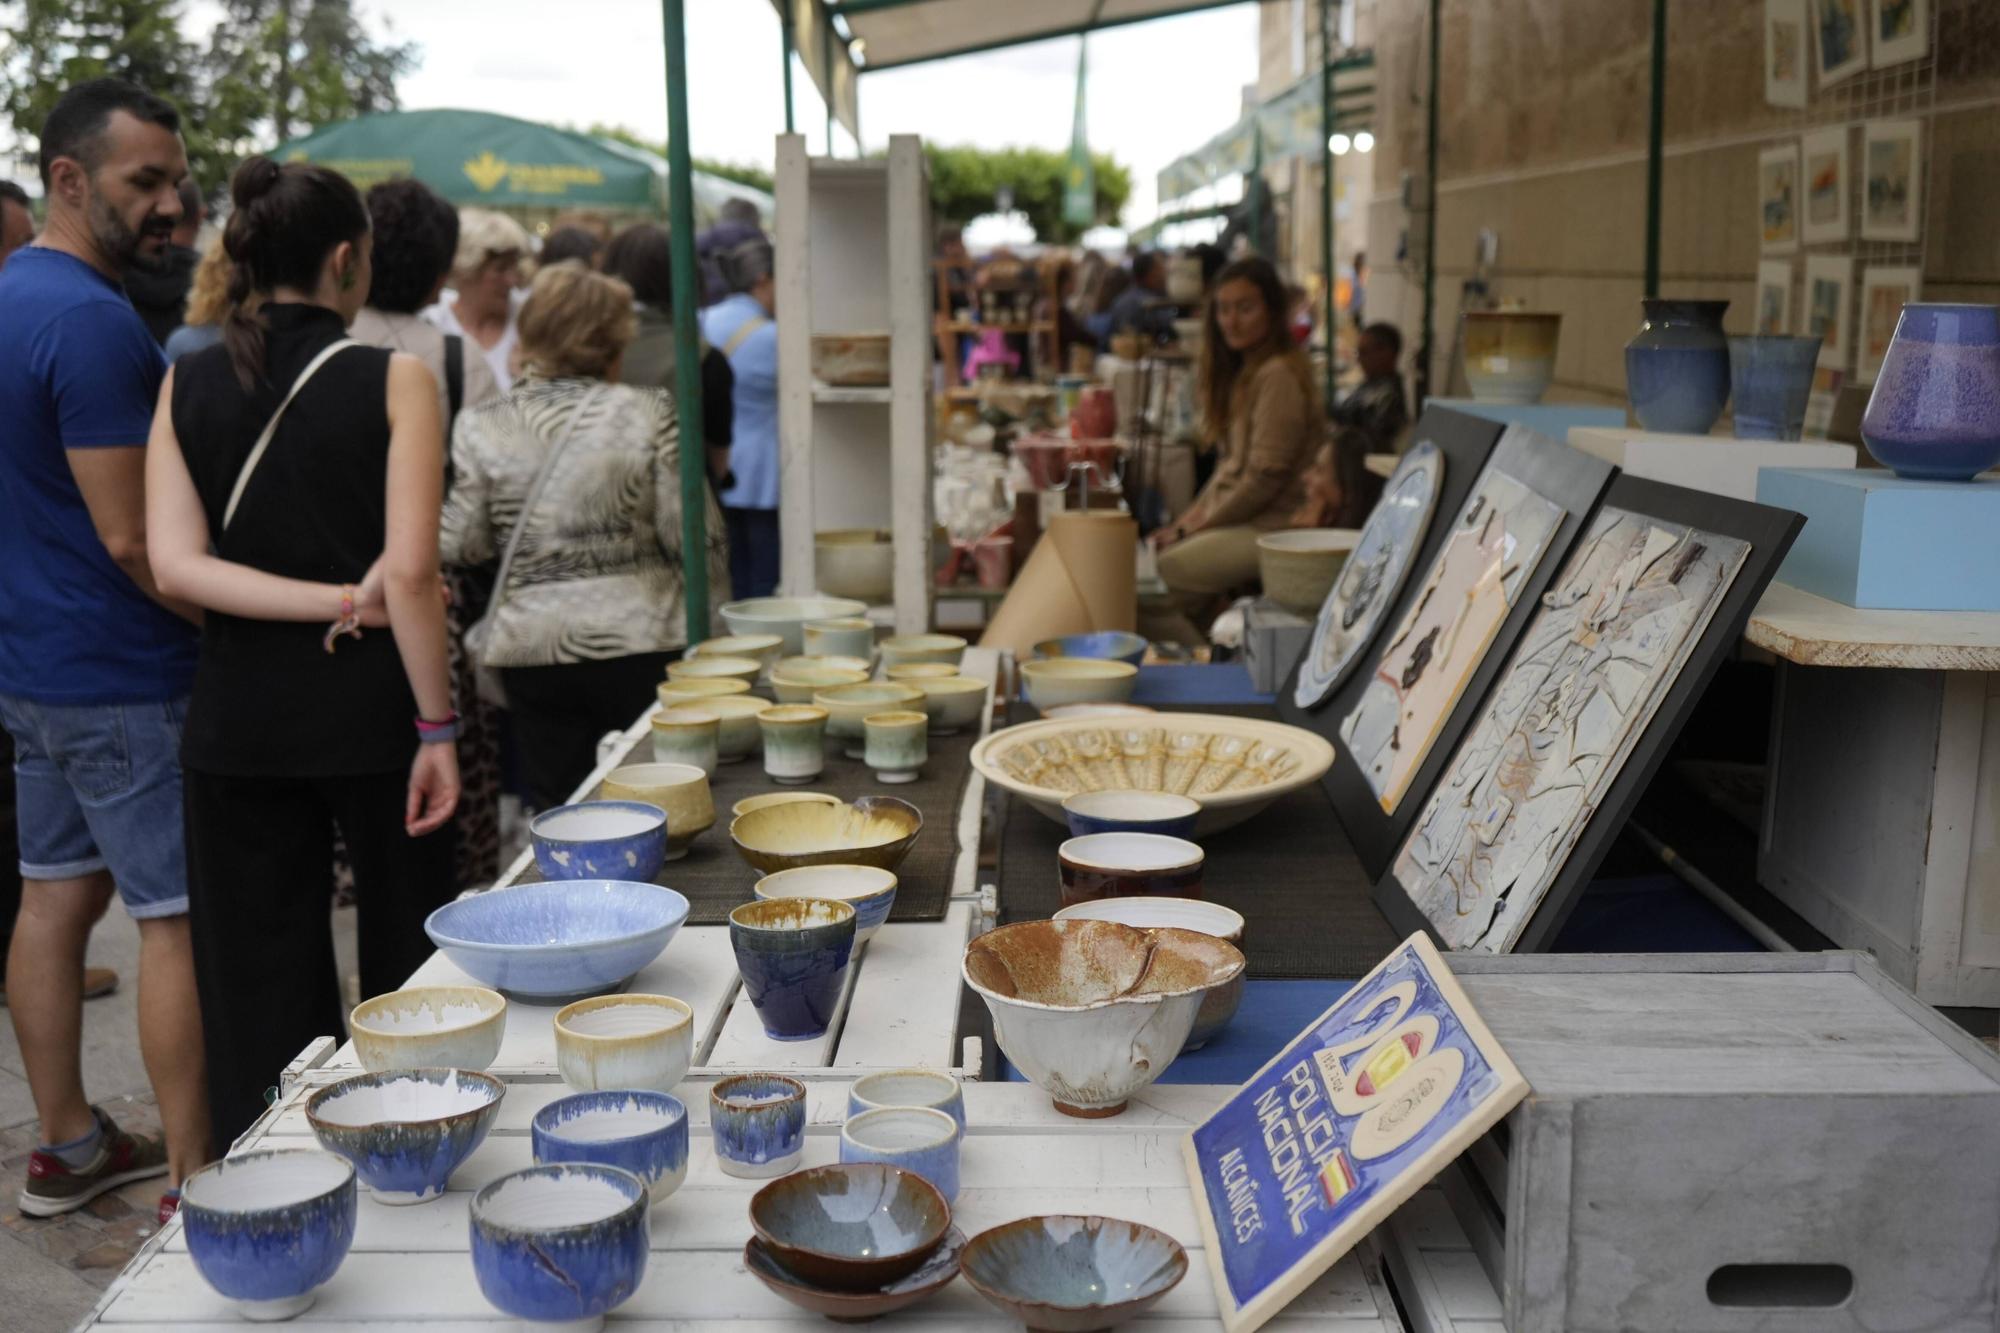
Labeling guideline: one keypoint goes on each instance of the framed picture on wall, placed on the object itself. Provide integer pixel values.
(1829, 279)
(1892, 179)
(1778, 199)
(1884, 293)
(1900, 30)
(1774, 296)
(1785, 52)
(1840, 35)
(1823, 157)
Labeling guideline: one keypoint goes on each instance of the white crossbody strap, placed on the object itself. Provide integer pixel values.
(271, 426)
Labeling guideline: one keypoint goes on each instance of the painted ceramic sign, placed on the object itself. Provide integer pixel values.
(1351, 1119)
(1373, 576)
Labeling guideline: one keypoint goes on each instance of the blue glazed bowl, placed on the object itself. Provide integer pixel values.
(600, 840)
(558, 941)
(268, 1228)
(645, 1133)
(1114, 645)
(560, 1243)
(407, 1130)
(793, 954)
(1069, 1274)
(869, 890)
(854, 1227)
(913, 1137)
(759, 1124)
(907, 1087)
(1934, 413)
(1113, 811)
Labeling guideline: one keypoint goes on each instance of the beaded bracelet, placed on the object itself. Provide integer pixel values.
(349, 622)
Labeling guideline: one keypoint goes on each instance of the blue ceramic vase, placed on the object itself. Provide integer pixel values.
(1935, 410)
(1770, 379)
(1677, 367)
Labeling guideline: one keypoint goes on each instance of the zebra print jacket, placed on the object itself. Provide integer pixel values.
(599, 572)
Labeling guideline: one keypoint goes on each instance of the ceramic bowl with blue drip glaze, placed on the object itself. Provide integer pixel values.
(268, 1228)
(558, 941)
(406, 1130)
(564, 1243)
(1071, 1274)
(1112, 645)
(645, 1133)
(600, 840)
(853, 1227)
(759, 1124)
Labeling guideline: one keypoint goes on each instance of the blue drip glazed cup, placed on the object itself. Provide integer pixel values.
(1677, 366)
(1934, 413)
(792, 954)
(645, 1133)
(268, 1228)
(1770, 379)
(759, 1124)
(565, 1242)
(600, 840)
(914, 1138)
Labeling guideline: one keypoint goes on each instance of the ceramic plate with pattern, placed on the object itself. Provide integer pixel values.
(1373, 576)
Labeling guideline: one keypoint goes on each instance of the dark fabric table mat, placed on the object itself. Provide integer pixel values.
(716, 880)
(1289, 870)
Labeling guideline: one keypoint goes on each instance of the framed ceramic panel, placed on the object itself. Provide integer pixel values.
(1650, 601)
(1826, 184)
(1785, 45)
(1899, 30)
(1829, 289)
(1884, 293)
(1774, 296)
(1892, 180)
(1354, 1116)
(1402, 713)
(1778, 199)
(1840, 36)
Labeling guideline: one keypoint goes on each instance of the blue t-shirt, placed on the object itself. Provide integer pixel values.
(78, 370)
(753, 438)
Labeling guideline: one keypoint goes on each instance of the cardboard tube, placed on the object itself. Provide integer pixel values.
(1080, 578)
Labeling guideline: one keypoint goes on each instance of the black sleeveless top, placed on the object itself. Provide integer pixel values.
(268, 699)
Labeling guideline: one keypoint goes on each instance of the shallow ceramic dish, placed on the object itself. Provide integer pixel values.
(764, 647)
(903, 649)
(848, 706)
(1298, 567)
(645, 1133)
(679, 789)
(758, 1122)
(1071, 712)
(1114, 865)
(1051, 682)
(857, 1307)
(952, 703)
(907, 1087)
(737, 735)
(798, 684)
(1235, 766)
(869, 890)
(855, 562)
(786, 616)
(1163, 812)
(600, 840)
(1219, 1005)
(561, 1244)
(407, 1130)
(853, 1227)
(850, 358)
(1114, 645)
(429, 1027)
(825, 662)
(694, 693)
(268, 1228)
(1069, 1274)
(1093, 1011)
(745, 669)
(914, 1138)
(625, 1041)
(769, 798)
(557, 941)
(793, 956)
(874, 831)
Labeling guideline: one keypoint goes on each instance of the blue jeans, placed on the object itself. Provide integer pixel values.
(753, 552)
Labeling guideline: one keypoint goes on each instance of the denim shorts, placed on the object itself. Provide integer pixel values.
(98, 787)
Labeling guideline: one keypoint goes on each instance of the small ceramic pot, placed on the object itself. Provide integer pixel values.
(896, 745)
(916, 673)
(625, 1041)
(853, 1227)
(645, 1133)
(849, 705)
(798, 684)
(1510, 355)
(694, 693)
(406, 1131)
(1934, 413)
(1218, 1006)
(869, 890)
(745, 669)
(1114, 645)
(1051, 682)
(1114, 810)
(912, 1137)
(993, 562)
(687, 736)
(765, 648)
(843, 638)
(794, 742)
(564, 1243)
(600, 840)
(1770, 379)
(429, 1027)
(901, 649)
(267, 1228)
(769, 798)
(908, 1087)
(1299, 568)
(1073, 1274)
(759, 1124)
(855, 562)
(1677, 366)
(679, 789)
(952, 703)
(792, 954)
(736, 733)
(826, 662)
(1120, 865)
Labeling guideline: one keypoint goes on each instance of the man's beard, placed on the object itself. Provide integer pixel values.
(121, 243)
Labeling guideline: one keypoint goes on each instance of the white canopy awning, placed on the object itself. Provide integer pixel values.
(888, 33)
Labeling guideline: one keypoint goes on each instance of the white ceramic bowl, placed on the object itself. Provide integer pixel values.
(952, 703)
(764, 647)
(737, 735)
(855, 562)
(429, 1027)
(869, 890)
(798, 684)
(625, 1041)
(1298, 568)
(1054, 681)
(902, 649)
(745, 669)
(786, 616)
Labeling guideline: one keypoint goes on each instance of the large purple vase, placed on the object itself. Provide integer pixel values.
(1935, 410)
(1677, 366)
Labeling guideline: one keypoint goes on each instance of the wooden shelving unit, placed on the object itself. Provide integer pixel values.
(1043, 332)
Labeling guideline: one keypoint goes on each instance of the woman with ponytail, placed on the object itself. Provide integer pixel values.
(293, 489)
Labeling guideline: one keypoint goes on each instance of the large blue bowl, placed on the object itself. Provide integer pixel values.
(645, 1133)
(1114, 645)
(559, 941)
(600, 840)
(267, 1228)
(560, 1243)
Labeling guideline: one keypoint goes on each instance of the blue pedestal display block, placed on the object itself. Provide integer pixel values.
(1550, 419)
(1877, 540)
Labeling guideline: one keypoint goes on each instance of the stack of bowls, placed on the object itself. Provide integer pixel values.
(908, 1118)
(853, 1227)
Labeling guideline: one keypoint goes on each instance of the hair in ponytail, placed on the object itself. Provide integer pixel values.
(286, 220)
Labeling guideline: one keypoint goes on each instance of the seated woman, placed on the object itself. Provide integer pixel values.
(1258, 405)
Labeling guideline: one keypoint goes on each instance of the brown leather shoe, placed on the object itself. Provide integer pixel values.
(98, 982)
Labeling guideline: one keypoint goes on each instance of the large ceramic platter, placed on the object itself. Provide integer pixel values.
(1373, 576)
(1234, 766)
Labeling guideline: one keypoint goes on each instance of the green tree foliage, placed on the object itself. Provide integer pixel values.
(743, 173)
(277, 68)
(965, 182)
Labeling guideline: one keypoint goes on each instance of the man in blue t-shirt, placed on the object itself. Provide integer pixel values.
(95, 665)
(741, 327)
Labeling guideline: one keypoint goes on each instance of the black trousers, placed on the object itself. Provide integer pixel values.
(260, 891)
(561, 712)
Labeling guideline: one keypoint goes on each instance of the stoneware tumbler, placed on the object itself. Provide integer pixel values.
(687, 736)
(794, 742)
(897, 744)
(1770, 378)
(793, 954)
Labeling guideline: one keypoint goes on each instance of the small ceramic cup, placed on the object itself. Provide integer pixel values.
(1118, 865)
(896, 745)
(794, 742)
(759, 1124)
(848, 706)
(839, 638)
(914, 1138)
(792, 954)
(687, 736)
(736, 734)
(624, 1041)
(908, 1087)
(645, 1133)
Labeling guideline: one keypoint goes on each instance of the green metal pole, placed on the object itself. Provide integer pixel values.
(1430, 208)
(1655, 131)
(1326, 185)
(785, 35)
(687, 344)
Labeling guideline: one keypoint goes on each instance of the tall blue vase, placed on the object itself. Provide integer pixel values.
(1677, 367)
(1935, 410)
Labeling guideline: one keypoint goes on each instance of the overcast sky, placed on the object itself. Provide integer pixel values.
(1156, 89)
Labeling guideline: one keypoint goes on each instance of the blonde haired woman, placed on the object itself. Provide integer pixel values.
(208, 304)
(484, 298)
(573, 481)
